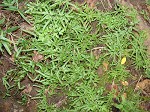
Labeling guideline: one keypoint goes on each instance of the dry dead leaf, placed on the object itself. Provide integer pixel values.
(61, 102)
(113, 87)
(145, 105)
(100, 71)
(26, 26)
(148, 8)
(124, 95)
(125, 83)
(96, 53)
(28, 89)
(105, 64)
(91, 3)
(37, 57)
(125, 3)
(144, 86)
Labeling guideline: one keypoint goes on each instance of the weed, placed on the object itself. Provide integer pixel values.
(118, 73)
(127, 106)
(63, 37)
(148, 2)
(4, 42)
(138, 52)
(145, 15)
(13, 5)
(24, 99)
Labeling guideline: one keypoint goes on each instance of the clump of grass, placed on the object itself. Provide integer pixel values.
(5, 43)
(63, 37)
(148, 2)
(13, 5)
(145, 15)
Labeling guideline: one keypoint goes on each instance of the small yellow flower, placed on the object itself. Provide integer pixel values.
(123, 60)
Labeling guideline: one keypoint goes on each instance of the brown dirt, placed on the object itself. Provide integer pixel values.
(10, 104)
(143, 23)
(5, 65)
(142, 83)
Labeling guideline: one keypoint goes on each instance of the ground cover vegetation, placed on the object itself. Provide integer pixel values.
(62, 53)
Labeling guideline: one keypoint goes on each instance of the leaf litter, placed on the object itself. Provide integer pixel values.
(37, 57)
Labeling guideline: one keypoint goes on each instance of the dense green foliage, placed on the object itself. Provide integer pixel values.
(63, 35)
